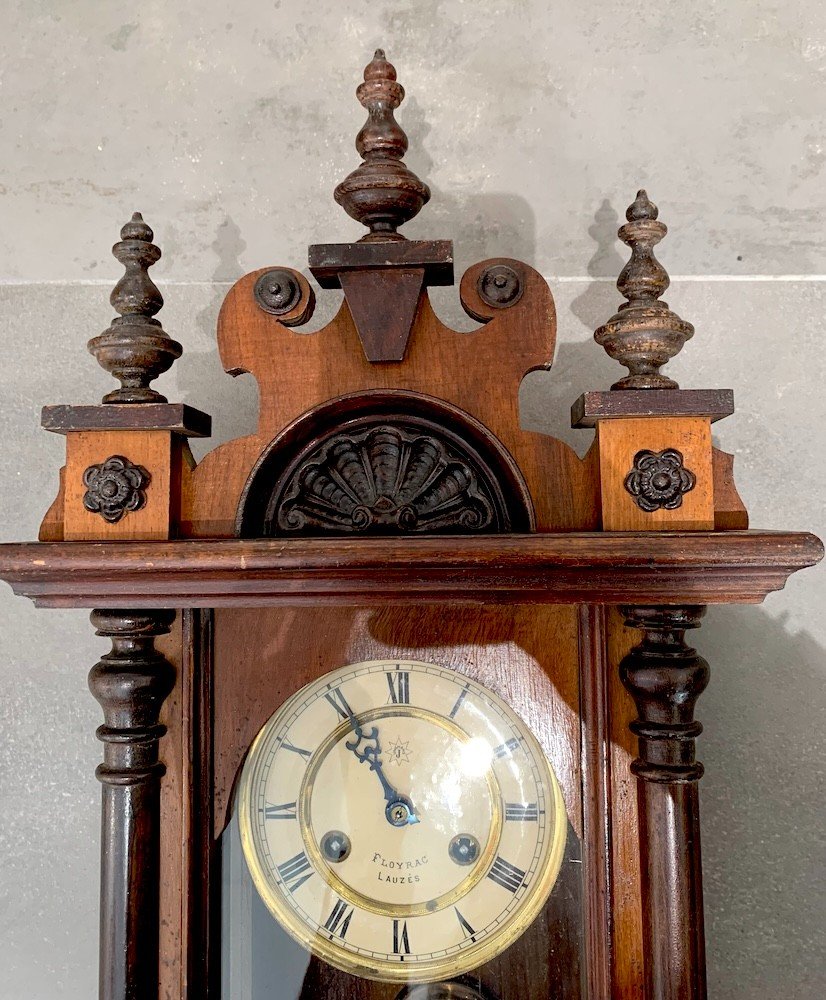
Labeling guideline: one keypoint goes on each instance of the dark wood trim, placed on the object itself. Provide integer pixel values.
(611, 568)
(665, 677)
(328, 260)
(176, 417)
(201, 904)
(594, 406)
(130, 683)
(596, 797)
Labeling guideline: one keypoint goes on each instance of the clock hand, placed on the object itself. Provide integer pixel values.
(399, 809)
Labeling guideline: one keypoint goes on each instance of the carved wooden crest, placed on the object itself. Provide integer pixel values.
(406, 464)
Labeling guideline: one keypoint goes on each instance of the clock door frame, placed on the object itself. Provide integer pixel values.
(199, 936)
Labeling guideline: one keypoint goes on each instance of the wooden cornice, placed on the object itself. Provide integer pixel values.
(608, 568)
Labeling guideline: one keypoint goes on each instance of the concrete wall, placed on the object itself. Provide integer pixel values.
(228, 126)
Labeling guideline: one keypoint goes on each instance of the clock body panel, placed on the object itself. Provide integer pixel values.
(527, 657)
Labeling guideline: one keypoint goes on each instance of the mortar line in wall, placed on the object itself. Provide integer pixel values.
(566, 279)
(572, 279)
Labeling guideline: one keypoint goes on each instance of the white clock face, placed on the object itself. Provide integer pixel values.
(400, 821)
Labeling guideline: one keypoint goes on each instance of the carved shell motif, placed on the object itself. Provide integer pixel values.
(381, 481)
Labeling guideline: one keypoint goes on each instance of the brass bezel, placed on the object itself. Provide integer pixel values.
(469, 958)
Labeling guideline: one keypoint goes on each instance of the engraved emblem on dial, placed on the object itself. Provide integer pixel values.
(400, 821)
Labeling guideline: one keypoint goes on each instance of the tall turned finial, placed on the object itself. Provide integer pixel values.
(135, 348)
(644, 333)
(382, 193)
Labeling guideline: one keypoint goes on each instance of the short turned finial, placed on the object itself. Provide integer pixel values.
(381, 193)
(644, 333)
(135, 348)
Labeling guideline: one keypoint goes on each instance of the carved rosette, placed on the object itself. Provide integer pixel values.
(114, 487)
(659, 479)
(384, 480)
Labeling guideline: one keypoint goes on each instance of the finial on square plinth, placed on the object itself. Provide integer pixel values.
(644, 333)
(135, 349)
(382, 192)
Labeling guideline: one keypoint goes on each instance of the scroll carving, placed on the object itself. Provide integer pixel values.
(499, 286)
(277, 291)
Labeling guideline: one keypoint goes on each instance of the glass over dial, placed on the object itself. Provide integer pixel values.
(400, 821)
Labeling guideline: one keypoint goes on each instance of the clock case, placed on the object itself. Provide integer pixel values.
(389, 504)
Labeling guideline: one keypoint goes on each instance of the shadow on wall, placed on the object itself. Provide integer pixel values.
(763, 830)
(480, 225)
(579, 365)
(202, 381)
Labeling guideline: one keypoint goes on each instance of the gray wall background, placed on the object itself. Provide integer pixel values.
(534, 123)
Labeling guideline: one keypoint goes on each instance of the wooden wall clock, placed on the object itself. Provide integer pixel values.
(399, 702)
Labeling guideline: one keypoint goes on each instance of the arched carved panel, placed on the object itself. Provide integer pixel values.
(384, 463)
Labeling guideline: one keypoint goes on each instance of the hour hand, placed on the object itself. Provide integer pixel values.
(399, 809)
(371, 751)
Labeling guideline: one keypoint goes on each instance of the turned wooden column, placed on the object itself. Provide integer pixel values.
(659, 472)
(126, 471)
(130, 683)
(665, 677)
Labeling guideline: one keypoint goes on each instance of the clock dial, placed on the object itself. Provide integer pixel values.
(400, 821)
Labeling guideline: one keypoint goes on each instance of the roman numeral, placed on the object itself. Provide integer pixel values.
(401, 943)
(339, 703)
(306, 754)
(399, 684)
(526, 812)
(507, 875)
(506, 749)
(285, 811)
(292, 871)
(458, 704)
(469, 931)
(339, 919)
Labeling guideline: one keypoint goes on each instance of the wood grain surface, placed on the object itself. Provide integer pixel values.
(479, 372)
(621, 440)
(523, 614)
(620, 567)
(626, 936)
(597, 838)
(153, 450)
(528, 656)
(527, 615)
